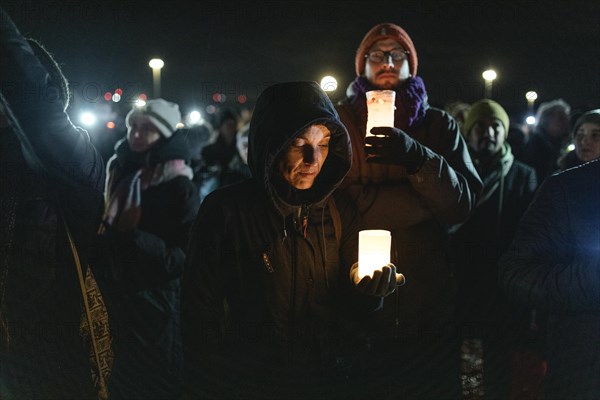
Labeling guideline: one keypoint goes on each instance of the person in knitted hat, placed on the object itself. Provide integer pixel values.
(476, 245)
(157, 119)
(586, 137)
(150, 203)
(413, 179)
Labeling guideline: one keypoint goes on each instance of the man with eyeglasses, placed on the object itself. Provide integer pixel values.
(416, 180)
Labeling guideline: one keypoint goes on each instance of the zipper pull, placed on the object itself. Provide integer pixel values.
(267, 262)
(304, 214)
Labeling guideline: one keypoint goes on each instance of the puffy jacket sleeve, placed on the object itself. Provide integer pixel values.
(203, 295)
(448, 182)
(51, 143)
(540, 268)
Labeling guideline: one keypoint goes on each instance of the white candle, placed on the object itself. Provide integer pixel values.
(374, 247)
(380, 109)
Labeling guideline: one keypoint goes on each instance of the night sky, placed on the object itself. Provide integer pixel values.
(551, 47)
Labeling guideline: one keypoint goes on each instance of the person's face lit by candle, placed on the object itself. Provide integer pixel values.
(301, 163)
(387, 64)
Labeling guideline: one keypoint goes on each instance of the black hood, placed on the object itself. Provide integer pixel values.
(282, 112)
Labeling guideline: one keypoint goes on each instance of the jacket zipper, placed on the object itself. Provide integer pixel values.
(293, 301)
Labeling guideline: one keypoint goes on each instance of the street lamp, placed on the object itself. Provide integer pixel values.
(329, 83)
(156, 64)
(531, 97)
(489, 75)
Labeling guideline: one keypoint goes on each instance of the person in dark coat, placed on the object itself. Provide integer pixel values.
(217, 155)
(586, 137)
(476, 245)
(268, 282)
(150, 205)
(237, 169)
(51, 179)
(549, 138)
(554, 265)
(416, 180)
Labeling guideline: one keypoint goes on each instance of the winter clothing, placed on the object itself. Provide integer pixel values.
(417, 321)
(476, 246)
(381, 32)
(411, 101)
(554, 265)
(143, 271)
(163, 114)
(50, 173)
(236, 171)
(568, 160)
(485, 108)
(542, 150)
(274, 255)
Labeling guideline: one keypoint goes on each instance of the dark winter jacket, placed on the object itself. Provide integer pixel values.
(142, 275)
(478, 243)
(48, 165)
(417, 209)
(542, 153)
(262, 299)
(554, 265)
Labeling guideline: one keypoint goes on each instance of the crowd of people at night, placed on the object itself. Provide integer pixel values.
(221, 261)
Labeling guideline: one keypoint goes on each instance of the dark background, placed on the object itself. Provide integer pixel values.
(552, 47)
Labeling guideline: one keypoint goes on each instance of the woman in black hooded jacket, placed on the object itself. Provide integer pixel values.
(266, 282)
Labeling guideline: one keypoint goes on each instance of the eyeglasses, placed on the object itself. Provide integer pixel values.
(377, 57)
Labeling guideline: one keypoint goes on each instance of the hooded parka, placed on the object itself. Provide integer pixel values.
(267, 277)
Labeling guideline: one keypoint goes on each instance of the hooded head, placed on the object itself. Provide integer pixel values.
(283, 112)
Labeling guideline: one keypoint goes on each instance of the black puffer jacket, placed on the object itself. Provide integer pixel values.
(47, 165)
(141, 273)
(554, 265)
(284, 291)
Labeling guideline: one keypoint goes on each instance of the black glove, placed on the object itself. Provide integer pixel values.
(394, 146)
(382, 284)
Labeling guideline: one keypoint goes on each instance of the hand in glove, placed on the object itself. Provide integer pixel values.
(382, 283)
(394, 146)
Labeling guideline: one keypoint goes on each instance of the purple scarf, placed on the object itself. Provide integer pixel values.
(411, 101)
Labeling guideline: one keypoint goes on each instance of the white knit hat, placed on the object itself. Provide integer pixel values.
(163, 114)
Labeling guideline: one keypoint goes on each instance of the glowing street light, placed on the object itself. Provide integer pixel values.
(530, 120)
(489, 75)
(531, 96)
(195, 118)
(140, 102)
(87, 118)
(156, 64)
(329, 83)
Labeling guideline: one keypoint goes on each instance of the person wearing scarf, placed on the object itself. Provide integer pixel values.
(150, 203)
(508, 187)
(415, 179)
